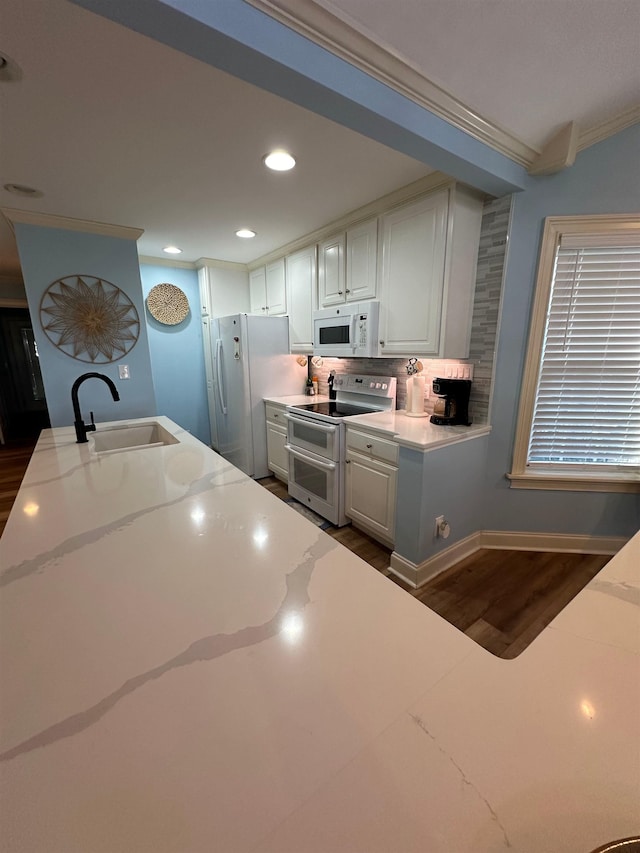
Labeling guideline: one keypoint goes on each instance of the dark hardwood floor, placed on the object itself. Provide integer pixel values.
(501, 599)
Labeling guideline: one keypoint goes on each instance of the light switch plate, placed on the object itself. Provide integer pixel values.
(123, 371)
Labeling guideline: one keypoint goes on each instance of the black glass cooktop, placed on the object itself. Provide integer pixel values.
(334, 409)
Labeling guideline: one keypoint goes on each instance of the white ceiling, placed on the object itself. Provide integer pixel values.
(528, 65)
(114, 127)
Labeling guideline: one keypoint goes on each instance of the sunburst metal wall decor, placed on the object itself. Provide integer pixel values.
(89, 319)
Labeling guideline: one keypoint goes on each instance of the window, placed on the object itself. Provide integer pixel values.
(579, 416)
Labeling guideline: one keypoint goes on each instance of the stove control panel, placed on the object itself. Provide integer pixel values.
(377, 386)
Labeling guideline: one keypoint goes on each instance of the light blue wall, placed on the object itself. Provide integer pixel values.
(448, 482)
(604, 179)
(176, 354)
(47, 254)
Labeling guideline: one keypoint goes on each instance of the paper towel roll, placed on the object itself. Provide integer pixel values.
(417, 395)
(409, 393)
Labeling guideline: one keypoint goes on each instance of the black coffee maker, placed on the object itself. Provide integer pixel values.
(452, 405)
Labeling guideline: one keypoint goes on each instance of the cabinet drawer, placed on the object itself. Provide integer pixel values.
(373, 446)
(275, 415)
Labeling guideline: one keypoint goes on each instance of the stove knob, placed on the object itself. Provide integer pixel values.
(378, 385)
(372, 385)
(384, 386)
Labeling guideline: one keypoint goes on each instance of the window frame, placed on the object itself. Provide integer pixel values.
(569, 478)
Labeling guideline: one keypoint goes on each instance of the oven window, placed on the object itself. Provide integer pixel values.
(311, 479)
(335, 334)
(310, 436)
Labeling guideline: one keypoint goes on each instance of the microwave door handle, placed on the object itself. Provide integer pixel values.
(328, 466)
(219, 375)
(354, 323)
(310, 423)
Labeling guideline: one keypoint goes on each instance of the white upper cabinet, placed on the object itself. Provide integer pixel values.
(347, 265)
(361, 261)
(301, 298)
(267, 289)
(331, 273)
(428, 262)
(258, 291)
(224, 290)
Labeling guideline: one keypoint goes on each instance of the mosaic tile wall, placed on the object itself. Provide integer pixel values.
(491, 256)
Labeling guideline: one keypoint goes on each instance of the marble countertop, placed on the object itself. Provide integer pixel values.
(414, 432)
(188, 665)
(409, 431)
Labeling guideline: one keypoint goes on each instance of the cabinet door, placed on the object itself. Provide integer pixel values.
(370, 495)
(331, 286)
(301, 290)
(361, 261)
(412, 281)
(258, 291)
(276, 291)
(277, 455)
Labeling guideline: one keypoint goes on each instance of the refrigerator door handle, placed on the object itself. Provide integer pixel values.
(219, 375)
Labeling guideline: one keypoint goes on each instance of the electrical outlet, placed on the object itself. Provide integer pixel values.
(439, 522)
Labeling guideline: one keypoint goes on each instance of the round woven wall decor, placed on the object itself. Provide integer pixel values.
(167, 304)
(89, 319)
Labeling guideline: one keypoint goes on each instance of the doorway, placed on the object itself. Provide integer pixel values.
(23, 407)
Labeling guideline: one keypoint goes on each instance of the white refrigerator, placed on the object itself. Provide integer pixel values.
(250, 361)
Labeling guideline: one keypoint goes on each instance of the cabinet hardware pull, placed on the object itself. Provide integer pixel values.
(381, 343)
(369, 446)
(347, 290)
(339, 293)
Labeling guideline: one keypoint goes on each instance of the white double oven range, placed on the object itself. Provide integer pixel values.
(316, 441)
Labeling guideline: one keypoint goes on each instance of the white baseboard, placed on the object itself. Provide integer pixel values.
(418, 574)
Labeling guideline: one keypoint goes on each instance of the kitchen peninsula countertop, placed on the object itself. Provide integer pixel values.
(418, 433)
(189, 665)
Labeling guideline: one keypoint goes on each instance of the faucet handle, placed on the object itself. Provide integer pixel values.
(92, 426)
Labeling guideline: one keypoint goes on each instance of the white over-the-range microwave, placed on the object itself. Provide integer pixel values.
(347, 330)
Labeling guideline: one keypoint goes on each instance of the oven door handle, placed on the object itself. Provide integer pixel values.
(328, 466)
(311, 423)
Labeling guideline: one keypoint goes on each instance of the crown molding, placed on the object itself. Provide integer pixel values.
(47, 220)
(168, 262)
(221, 265)
(614, 125)
(348, 40)
(403, 195)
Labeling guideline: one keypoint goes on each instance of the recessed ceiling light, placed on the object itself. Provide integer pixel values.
(172, 250)
(246, 233)
(23, 190)
(279, 161)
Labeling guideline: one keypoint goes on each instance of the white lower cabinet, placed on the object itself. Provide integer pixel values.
(277, 456)
(371, 484)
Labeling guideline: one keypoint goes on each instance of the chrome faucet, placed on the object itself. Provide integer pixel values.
(81, 428)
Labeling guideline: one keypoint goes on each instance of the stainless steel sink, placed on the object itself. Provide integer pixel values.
(130, 437)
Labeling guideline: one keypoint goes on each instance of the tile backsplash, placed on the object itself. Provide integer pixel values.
(486, 306)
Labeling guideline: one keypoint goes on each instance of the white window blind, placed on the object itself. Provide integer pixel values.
(587, 409)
